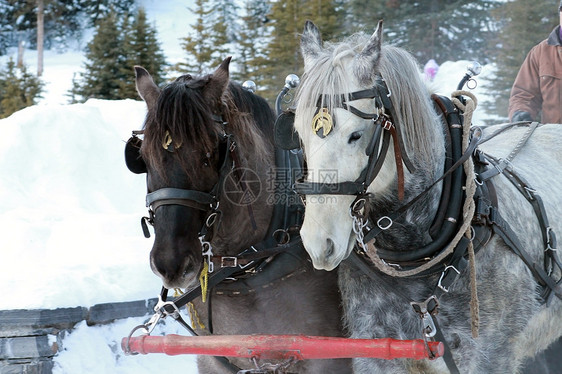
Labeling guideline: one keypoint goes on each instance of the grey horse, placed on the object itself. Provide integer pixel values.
(376, 150)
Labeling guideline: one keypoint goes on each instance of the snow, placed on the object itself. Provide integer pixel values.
(71, 206)
(97, 349)
(70, 213)
(70, 210)
(448, 77)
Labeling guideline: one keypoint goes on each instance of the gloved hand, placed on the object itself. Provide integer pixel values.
(520, 116)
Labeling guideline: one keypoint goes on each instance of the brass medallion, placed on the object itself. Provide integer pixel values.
(322, 123)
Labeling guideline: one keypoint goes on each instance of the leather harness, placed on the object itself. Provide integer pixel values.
(279, 256)
(487, 219)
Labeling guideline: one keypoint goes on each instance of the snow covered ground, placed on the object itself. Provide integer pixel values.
(69, 217)
(70, 210)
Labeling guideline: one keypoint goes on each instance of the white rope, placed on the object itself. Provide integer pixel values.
(468, 209)
(465, 229)
(469, 205)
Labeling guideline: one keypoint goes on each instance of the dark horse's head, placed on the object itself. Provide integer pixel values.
(184, 150)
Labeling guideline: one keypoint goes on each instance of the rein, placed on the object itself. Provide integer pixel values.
(482, 220)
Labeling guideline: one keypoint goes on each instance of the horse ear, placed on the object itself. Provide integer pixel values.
(372, 51)
(146, 87)
(218, 81)
(311, 42)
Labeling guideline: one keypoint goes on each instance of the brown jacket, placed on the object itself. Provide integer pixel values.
(538, 86)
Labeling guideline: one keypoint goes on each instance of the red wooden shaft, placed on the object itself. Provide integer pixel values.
(282, 346)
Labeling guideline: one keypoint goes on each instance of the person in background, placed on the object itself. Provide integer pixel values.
(536, 94)
(430, 70)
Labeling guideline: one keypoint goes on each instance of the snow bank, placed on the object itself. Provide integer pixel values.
(70, 209)
(97, 349)
(450, 74)
(69, 222)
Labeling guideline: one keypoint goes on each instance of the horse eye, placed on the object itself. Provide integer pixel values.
(356, 135)
(207, 159)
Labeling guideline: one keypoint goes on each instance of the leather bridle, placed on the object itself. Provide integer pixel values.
(205, 201)
(385, 128)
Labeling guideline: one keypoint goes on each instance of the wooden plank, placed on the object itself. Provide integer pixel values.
(109, 312)
(15, 331)
(36, 366)
(61, 318)
(26, 347)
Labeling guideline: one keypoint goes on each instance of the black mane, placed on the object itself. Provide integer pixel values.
(192, 119)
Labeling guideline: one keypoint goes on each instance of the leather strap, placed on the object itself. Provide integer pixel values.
(343, 188)
(447, 355)
(202, 198)
(470, 149)
(399, 165)
(502, 228)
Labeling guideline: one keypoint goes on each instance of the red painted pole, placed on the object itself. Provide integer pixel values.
(282, 346)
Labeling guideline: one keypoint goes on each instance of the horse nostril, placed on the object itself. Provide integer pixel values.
(329, 247)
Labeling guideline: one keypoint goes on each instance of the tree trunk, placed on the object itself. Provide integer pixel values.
(21, 49)
(40, 35)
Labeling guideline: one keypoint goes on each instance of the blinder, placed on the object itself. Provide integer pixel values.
(287, 138)
(205, 201)
(133, 159)
(385, 129)
(284, 134)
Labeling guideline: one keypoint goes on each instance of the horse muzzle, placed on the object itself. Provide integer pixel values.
(176, 270)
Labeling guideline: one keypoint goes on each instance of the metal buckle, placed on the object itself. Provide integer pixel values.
(229, 262)
(242, 267)
(550, 240)
(503, 164)
(211, 219)
(281, 236)
(477, 179)
(379, 224)
(207, 252)
(397, 266)
(358, 205)
(443, 276)
(174, 313)
(530, 192)
(426, 309)
(387, 124)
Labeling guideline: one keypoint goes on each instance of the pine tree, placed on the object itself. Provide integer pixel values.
(98, 9)
(224, 28)
(17, 90)
(105, 59)
(523, 24)
(6, 25)
(141, 47)
(252, 41)
(63, 19)
(198, 44)
(439, 29)
(287, 21)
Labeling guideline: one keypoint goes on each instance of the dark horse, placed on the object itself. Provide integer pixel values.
(211, 176)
